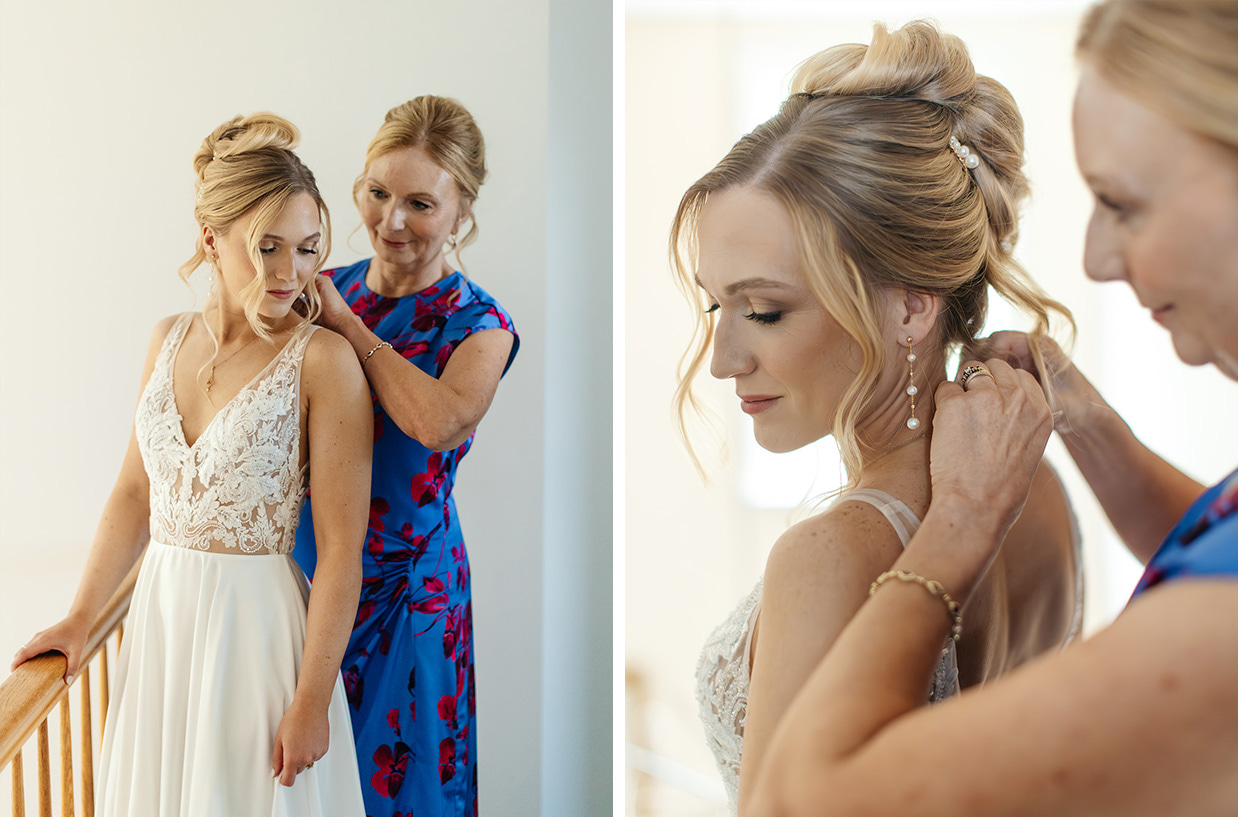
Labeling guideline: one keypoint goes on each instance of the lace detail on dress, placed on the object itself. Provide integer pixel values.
(723, 673)
(240, 486)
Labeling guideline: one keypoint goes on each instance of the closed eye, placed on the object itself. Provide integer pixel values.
(765, 318)
(712, 308)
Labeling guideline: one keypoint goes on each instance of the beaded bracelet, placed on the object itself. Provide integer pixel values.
(952, 607)
(375, 349)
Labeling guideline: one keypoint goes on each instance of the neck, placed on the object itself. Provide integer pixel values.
(227, 322)
(396, 281)
(887, 445)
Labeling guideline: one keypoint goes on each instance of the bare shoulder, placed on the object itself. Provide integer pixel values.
(851, 542)
(330, 360)
(160, 333)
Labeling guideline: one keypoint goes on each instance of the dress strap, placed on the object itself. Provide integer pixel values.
(901, 518)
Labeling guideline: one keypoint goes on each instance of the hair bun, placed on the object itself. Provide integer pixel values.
(245, 134)
(917, 61)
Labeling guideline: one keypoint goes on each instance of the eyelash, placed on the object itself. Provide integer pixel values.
(763, 318)
(302, 250)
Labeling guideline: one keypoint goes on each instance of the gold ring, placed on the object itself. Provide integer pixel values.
(973, 371)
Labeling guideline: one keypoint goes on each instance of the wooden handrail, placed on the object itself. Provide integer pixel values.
(28, 696)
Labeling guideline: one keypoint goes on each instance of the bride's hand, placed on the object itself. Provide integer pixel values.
(335, 309)
(1073, 400)
(67, 637)
(302, 738)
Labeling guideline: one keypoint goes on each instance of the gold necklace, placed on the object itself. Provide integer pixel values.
(210, 378)
(897, 446)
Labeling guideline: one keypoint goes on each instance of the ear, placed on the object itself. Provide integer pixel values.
(210, 242)
(466, 213)
(913, 315)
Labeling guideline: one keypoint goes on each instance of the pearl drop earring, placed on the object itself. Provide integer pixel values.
(912, 422)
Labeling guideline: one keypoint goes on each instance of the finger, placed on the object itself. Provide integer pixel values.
(277, 759)
(288, 777)
(973, 371)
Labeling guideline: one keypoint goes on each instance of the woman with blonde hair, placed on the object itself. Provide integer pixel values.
(227, 698)
(433, 344)
(1140, 719)
(838, 254)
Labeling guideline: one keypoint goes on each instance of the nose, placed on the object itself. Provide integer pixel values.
(281, 265)
(394, 217)
(730, 358)
(1102, 251)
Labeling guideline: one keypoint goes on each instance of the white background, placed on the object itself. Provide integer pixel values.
(101, 108)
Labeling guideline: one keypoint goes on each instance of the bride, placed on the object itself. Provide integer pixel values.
(227, 691)
(838, 253)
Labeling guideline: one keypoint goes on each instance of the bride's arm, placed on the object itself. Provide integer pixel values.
(341, 439)
(1136, 721)
(817, 576)
(123, 532)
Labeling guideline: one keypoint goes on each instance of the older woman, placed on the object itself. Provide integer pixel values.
(1142, 718)
(433, 344)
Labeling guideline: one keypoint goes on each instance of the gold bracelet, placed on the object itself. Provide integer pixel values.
(375, 349)
(952, 607)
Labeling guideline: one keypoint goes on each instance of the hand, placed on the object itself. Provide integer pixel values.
(1073, 400)
(988, 441)
(68, 637)
(335, 310)
(302, 738)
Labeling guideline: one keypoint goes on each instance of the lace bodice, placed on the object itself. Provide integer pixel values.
(723, 672)
(239, 488)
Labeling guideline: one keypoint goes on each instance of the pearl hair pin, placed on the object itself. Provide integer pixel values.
(970, 160)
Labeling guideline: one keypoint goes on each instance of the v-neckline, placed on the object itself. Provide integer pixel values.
(180, 418)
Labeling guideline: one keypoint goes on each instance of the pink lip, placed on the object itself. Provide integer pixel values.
(394, 243)
(756, 403)
(282, 294)
(1159, 314)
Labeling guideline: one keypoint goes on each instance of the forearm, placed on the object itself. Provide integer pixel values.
(1142, 494)
(332, 610)
(423, 407)
(123, 533)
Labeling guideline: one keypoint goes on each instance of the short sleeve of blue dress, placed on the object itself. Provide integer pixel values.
(408, 669)
(1204, 544)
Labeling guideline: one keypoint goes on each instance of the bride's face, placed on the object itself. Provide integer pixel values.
(789, 359)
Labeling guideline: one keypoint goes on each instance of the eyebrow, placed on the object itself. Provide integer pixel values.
(271, 237)
(371, 181)
(749, 283)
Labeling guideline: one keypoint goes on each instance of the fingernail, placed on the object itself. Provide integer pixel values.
(68, 680)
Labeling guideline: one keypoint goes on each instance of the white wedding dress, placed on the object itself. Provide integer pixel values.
(724, 671)
(216, 628)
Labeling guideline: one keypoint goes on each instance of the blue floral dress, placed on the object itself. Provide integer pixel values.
(408, 670)
(1203, 544)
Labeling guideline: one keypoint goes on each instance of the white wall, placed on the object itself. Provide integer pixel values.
(699, 74)
(101, 108)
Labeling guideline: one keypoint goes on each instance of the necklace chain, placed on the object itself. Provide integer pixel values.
(897, 446)
(210, 378)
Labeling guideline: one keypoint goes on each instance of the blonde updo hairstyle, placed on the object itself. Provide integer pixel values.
(247, 164)
(860, 157)
(1179, 57)
(445, 130)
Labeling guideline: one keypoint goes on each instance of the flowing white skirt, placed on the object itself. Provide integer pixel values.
(208, 665)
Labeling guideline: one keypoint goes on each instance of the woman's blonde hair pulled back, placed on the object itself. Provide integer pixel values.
(446, 131)
(860, 157)
(247, 164)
